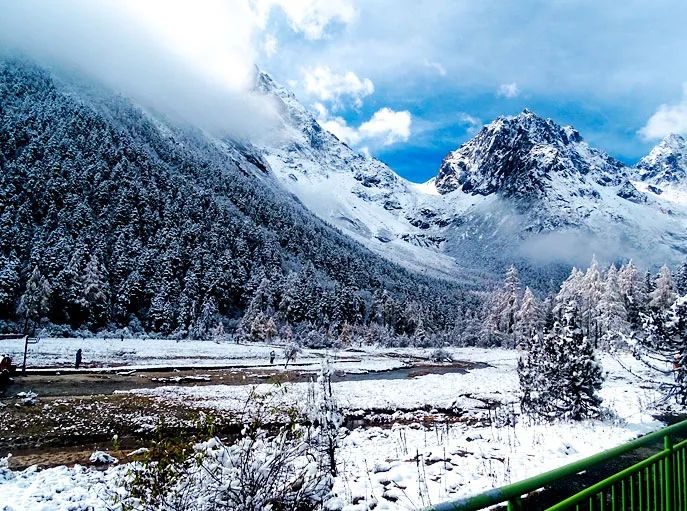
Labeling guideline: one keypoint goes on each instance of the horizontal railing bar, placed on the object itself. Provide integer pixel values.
(515, 490)
(615, 478)
(680, 445)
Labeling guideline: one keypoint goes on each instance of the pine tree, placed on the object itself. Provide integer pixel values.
(325, 415)
(611, 313)
(648, 283)
(501, 307)
(218, 334)
(161, 315)
(207, 319)
(571, 291)
(632, 289)
(263, 327)
(490, 327)
(663, 296)
(35, 301)
(592, 290)
(665, 340)
(529, 319)
(560, 375)
(286, 333)
(95, 294)
(511, 291)
(681, 279)
(9, 284)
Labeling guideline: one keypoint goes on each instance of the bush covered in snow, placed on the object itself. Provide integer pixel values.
(440, 355)
(290, 466)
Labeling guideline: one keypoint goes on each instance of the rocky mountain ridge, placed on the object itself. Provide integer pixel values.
(523, 189)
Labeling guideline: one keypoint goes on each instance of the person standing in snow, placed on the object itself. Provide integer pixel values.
(78, 358)
(272, 355)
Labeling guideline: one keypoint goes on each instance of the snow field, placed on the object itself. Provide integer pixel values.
(134, 353)
(405, 466)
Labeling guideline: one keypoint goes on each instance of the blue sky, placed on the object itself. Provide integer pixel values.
(606, 67)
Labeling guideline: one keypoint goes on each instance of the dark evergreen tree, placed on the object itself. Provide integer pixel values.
(34, 303)
(560, 376)
(680, 279)
(664, 344)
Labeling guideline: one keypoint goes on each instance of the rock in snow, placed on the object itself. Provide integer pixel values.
(102, 458)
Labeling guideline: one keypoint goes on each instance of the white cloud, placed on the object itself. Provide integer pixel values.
(190, 61)
(344, 132)
(309, 17)
(473, 123)
(385, 127)
(388, 125)
(508, 90)
(326, 85)
(269, 45)
(668, 119)
(437, 66)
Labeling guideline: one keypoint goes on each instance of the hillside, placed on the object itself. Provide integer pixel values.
(136, 222)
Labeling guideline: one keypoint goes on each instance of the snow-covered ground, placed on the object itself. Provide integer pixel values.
(497, 382)
(146, 353)
(407, 465)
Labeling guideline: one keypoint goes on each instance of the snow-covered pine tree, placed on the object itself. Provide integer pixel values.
(160, 315)
(648, 283)
(218, 334)
(35, 301)
(664, 345)
(611, 314)
(632, 290)
(207, 319)
(9, 284)
(511, 292)
(263, 327)
(528, 319)
(286, 333)
(681, 279)
(95, 293)
(501, 308)
(490, 332)
(347, 305)
(560, 375)
(592, 290)
(571, 291)
(663, 295)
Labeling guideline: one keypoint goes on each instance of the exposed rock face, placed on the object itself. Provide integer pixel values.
(666, 164)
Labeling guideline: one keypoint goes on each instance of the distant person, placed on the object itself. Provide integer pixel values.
(78, 358)
(272, 355)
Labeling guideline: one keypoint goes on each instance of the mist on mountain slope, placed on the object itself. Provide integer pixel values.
(195, 63)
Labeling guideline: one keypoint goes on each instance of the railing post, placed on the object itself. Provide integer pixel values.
(668, 479)
(515, 504)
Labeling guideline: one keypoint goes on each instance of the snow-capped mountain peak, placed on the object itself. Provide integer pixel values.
(527, 156)
(666, 163)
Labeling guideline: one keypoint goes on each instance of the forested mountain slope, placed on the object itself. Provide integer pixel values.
(134, 222)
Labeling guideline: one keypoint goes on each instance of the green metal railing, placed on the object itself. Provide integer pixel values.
(657, 483)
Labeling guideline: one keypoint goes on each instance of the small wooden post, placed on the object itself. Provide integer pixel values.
(26, 349)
